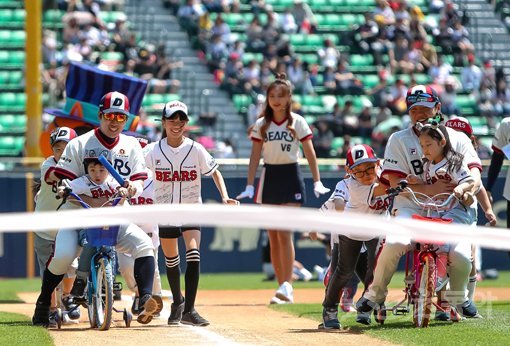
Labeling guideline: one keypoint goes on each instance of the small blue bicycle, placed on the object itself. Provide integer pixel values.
(100, 285)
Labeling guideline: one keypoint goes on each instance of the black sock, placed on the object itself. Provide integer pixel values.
(144, 274)
(50, 281)
(173, 274)
(191, 278)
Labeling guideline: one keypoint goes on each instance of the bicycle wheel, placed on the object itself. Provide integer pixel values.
(102, 300)
(423, 302)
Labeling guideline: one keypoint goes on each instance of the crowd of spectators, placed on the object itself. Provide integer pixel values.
(86, 38)
(396, 33)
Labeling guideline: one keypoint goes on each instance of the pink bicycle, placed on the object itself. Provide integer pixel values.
(423, 263)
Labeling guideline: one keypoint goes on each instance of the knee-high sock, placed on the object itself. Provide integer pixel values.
(50, 281)
(471, 287)
(173, 274)
(191, 278)
(144, 274)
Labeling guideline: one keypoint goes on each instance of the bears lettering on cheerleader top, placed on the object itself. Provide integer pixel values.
(166, 176)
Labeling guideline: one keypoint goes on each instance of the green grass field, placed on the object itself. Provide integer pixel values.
(493, 329)
(17, 329)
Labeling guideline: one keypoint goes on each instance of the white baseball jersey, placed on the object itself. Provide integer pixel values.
(403, 156)
(84, 186)
(124, 153)
(439, 171)
(46, 197)
(502, 139)
(358, 198)
(177, 171)
(280, 147)
(147, 197)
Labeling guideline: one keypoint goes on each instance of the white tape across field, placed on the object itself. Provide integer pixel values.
(255, 216)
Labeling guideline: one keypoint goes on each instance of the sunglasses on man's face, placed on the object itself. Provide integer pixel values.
(118, 117)
(412, 99)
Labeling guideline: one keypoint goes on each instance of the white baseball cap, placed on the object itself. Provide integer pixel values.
(173, 107)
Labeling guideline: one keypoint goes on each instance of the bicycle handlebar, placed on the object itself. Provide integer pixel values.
(69, 193)
(403, 186)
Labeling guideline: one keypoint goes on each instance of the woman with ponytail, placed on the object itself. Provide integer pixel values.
(276, 136)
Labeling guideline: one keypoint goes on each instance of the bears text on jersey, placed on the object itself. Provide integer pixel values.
(176, 175)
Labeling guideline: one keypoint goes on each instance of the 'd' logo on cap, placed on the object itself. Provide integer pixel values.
(359, 154)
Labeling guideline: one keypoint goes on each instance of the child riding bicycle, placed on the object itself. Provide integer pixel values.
(403, 156)
(95, 184)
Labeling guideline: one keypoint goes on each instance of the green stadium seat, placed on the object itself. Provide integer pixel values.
(153, 99)
(5, 16)
(12, 123)
(7, 99)
(247, 57)
(241, 102)
(16, 59)
(361, 60)
(370, 80)
(466, 104)
(112, 56)
(312, 100)
(310, 58)
(11, 145)
(337, 143)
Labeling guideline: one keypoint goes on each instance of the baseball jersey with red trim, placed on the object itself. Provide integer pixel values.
(177, 171)
(403, 156)
(46, 196)
(280, 147)
(439, 171)
(84, 186)
(147, 197)
(502, 139)
(124, 153)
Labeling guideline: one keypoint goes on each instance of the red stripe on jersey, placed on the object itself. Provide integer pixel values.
(475, 165)
(64, 174)
(47, 175)
(139, 176)
(310, 136)
(279, 123)
(497, 149)
(99, 136)
(394, 172)
(256, 139)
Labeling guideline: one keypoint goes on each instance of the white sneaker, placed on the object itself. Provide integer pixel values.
(285, 292)
(276, 300)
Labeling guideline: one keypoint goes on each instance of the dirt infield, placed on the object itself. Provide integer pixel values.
(237, 317)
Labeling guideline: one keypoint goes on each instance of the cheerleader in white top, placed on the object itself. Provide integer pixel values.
(276, 136)
(177, 163)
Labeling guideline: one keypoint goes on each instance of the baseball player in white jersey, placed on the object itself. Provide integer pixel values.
(177, 163)
(125, 261)
(403, 156)
(44, 241)
(127, 158)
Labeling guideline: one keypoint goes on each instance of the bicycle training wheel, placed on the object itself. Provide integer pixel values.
(423, 302)
(102, 300)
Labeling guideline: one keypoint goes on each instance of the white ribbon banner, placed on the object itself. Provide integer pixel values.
(255, 216)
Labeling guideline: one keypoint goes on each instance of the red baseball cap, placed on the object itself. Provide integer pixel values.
(359, 154)
(114, 102)
(460, 124)
(62, 134)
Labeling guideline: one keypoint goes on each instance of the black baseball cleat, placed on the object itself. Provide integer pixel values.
(194, 319)
(151, 305)
(176, 311)
(135, 308)
(78, 290)
(41, 316)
